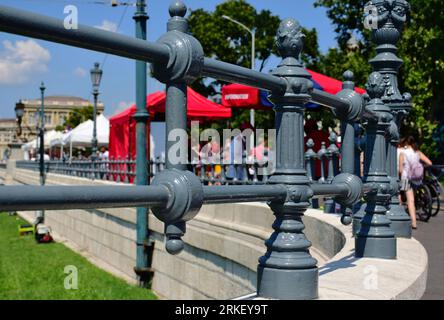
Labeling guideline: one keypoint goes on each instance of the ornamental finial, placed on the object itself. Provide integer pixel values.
(376, 85)
(390, 11)
(177, 9)
(289, 38)
(348, 75)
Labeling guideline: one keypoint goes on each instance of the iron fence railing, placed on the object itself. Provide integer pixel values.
(124, 170)
(322, 167)
(175, 196)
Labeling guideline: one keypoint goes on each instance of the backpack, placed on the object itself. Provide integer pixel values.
(416, 171)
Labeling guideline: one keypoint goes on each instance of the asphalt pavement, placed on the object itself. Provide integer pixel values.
(431, 235)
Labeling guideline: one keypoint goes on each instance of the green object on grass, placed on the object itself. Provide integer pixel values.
(25, 229)
(32, 271)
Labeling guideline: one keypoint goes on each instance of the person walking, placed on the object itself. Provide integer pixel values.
(411, 171)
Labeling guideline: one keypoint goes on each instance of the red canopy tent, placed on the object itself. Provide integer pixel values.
(240, 96)
(122, 135)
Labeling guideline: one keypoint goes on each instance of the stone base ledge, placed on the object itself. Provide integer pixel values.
(234, 234)
(345, 277)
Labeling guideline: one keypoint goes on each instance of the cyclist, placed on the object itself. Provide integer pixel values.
(411, 171)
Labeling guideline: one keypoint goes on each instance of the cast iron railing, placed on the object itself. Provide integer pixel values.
(220, 173)
(286, 270)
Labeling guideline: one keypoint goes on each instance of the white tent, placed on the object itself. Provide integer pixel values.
(49, 137)
(81, 135)
(30, 145)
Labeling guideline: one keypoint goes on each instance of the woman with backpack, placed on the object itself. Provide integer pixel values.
(411, 171)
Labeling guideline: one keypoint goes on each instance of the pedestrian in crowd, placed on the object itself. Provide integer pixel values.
(259, 152)
(237, 148)
(226, 156)
(258, 155)
(215, 161)
(104, 154)
(103, 158)
(411, 171)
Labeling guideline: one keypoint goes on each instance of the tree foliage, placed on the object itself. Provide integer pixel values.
(76, 117)
(421, 48)
(227, 41)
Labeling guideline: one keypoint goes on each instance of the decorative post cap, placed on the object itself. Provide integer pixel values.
(42, 86)
(177, 9)
(310, 144)
(333, 138)
(394, 11)
(349, 78)
(386, 19)
(289, 38)
(375, 85)
(290, 43)
(348, 75)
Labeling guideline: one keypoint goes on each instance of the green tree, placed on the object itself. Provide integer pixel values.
(227, 41)
(77, 116)
(421, 48)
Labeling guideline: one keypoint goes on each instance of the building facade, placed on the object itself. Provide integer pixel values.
(8, 129)
(57, 109)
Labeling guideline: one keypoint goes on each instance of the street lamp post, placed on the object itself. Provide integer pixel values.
(253, 53)
(19, 111)
(41, 130)
(96, 77)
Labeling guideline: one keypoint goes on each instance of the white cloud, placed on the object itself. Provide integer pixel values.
(123, 105)
(108, 26)
(80, 72)
(21, 60)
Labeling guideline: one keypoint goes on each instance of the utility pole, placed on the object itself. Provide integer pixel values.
(142, 163)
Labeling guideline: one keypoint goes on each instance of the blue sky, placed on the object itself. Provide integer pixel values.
(24, 63)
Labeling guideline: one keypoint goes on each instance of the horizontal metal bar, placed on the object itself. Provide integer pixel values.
(329, 100)
(23, 198)
(233, 73)
(234, 194)
(329, 190)
(47, 28)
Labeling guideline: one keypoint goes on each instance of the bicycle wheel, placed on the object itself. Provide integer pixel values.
(423, 203)
(436, 204)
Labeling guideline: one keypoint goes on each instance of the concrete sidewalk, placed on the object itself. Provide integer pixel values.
(431, 235)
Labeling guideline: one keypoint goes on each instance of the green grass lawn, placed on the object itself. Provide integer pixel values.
(36, 271)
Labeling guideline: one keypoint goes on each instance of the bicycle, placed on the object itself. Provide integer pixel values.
(423, 201)
(431, 179)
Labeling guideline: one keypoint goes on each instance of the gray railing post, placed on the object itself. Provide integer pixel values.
(348, 122)
(332, 156)
(310, 164)
(287, 270)
(386, 36)
(310, 158)
(185, 65)
(322, 156)
(375, 238)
